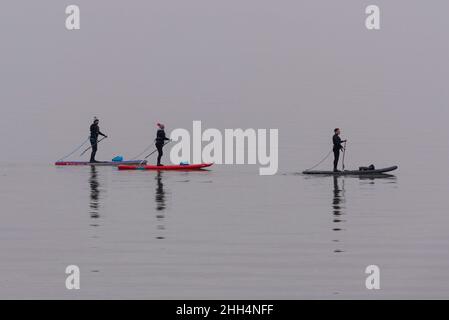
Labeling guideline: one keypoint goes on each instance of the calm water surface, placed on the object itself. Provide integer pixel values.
(223, 233)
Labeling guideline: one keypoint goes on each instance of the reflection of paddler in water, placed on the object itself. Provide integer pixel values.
(160, 203)
(94, 193)
(338, 201)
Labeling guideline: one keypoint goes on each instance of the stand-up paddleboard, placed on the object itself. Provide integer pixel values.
(352, 172)
(167, 167)
(100, 163)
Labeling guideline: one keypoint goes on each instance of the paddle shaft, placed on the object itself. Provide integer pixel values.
(91, 146)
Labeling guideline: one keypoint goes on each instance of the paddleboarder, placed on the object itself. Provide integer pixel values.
(337, 147)
(160, 141)
(94, 132)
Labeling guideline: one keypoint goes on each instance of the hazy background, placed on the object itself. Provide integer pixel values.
(303, 67)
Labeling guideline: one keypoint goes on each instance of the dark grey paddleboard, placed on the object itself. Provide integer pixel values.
(352, 172)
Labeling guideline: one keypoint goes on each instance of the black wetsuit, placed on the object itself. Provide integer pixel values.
(337, 147)
(160, 140)
(94, 132)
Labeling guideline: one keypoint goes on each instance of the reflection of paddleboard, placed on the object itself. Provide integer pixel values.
(167, 167)
(352, 172)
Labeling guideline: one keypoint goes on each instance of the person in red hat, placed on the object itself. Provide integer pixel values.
(160, 141)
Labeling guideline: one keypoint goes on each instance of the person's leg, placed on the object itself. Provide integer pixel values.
(93, 143)
(336, 157)
(159, 153)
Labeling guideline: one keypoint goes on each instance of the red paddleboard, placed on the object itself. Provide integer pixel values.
(168, 167)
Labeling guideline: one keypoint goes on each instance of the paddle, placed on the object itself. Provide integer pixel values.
(344, 152)
(152, 153)
(91, 146)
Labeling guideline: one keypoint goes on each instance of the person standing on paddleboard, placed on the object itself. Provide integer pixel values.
(337, 147)
(94, 132)
(160, 141)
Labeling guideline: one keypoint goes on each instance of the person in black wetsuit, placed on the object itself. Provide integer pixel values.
(337, 147)
(160, 141)
(94, 132)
